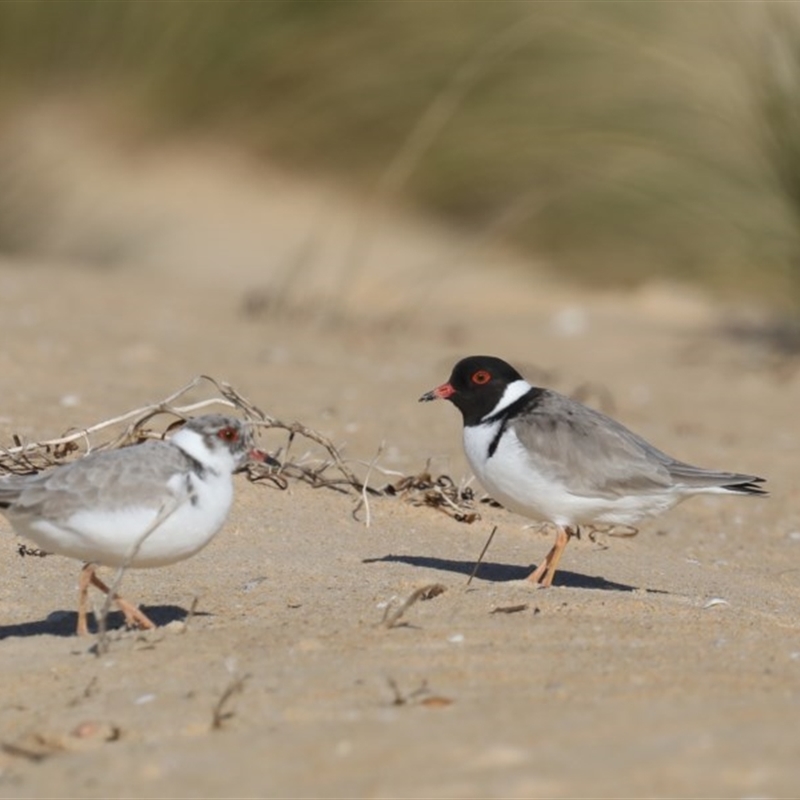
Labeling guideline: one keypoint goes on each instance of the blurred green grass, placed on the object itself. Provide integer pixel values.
(619, 141)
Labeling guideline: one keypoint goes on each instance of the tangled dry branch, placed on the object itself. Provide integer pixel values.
(328, 470)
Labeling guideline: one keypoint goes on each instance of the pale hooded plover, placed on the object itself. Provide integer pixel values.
(146, 505)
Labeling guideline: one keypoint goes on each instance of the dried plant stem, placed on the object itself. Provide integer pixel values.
(423, 489)
(141, 414)
(401, 699)
(190, 614)
(167, 510)
(218, 714)
(295, 428)
(423, 593)
(483, 553)
(364, 489)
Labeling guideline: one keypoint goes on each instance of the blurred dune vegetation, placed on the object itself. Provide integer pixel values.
(616, 141)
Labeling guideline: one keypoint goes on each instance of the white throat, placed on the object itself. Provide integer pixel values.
(194, 445)
(513, 392)
(481, 438)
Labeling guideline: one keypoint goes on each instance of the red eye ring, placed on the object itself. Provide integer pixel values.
(228, 434)
(481, 377)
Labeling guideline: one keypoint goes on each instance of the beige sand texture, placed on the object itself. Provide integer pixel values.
(662, 665)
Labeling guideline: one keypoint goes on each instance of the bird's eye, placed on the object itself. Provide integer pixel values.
(228, 434)
(481, 377)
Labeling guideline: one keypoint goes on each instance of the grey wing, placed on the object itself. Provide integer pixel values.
(137, 475)
(594, 455)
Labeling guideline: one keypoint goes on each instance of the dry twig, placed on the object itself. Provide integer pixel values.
(364, 491)
(330, 472)
(166, 511)
(401, 699)
(190, 614)
(509, 609)
(480, 557)
(20, 751)
(219, 715)
(427, 592)
(438, 492)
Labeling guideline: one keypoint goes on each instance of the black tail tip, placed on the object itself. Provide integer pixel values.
(749, 486)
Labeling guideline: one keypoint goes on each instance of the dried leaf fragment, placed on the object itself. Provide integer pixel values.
(509, 609)
(436, 701)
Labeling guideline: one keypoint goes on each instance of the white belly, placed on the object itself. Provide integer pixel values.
(121, 537)
(513, 478)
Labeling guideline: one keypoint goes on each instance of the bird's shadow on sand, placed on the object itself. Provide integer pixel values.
(64, 623)
(501, 573)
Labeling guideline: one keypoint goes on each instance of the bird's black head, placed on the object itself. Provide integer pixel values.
(475, 386)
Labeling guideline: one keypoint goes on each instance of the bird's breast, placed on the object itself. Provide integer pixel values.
(509, 474)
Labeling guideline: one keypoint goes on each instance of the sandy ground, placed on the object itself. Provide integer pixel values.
(667, 664)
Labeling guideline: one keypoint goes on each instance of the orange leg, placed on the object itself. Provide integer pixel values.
(134, 618)
(537, 575)
(546, 571)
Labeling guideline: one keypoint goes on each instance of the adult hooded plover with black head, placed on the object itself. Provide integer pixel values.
(552, 459)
